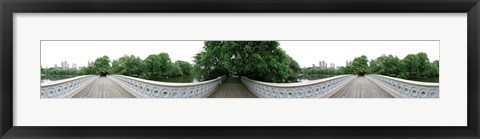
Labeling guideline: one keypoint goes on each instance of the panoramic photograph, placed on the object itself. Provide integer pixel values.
(239, 69)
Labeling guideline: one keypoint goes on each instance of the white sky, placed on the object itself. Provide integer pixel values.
(305, 53)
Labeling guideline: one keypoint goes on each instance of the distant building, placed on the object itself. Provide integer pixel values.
(322, 64)
(313, 65)
(56, 66)
(332, 65)
(348, 63)
(74, 66)
(64, 65)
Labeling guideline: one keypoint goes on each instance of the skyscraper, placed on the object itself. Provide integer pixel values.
(332, 65)
(64, 65)
(322, 64)
(74, 66)
(348, 63)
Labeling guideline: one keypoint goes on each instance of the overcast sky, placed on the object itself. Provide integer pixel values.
(305, 53)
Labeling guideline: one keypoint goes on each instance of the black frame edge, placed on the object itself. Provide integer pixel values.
(6, 105)
(473, 23)
(7, 7)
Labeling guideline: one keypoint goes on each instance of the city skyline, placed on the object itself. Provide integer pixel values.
(305, 53)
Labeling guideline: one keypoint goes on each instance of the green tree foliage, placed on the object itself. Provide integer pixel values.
(386, 65)
(259, 60)
(436, 63)
(89, 70)
(346, 70)
(360, 65)
(128, 65)
(185, 67)
(175, 71)
(293, 66)
(416, 66)
(102, 65)
(60, 71)
(208, 63)
(434, 70)
(412, 67)
(157, 66)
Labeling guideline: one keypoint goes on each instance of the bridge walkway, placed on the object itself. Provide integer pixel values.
(103, 88)
(232, 88)
(361, 87)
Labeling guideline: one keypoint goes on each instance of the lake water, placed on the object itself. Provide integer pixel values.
(306, 78)
(183, 79)
(49, 78)
(192, 79)
(431, 79)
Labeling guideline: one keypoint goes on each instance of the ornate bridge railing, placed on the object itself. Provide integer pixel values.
(314, 89)
(405, 88)
(153, 89)
(65, 88)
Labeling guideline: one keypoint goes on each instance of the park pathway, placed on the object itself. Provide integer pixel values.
(361, 87)
(103, 88)
(232, 88)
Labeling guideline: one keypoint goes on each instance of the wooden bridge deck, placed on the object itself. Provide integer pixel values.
(103, 88)
(232, 88)
(361, 87)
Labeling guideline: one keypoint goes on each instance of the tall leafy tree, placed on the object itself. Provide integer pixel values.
(424, 64)
(360, 65)
(157, 66)
(293, 66)
(436, 63)
(128, 65)
(260, 60)
(386, 65)
(411, 66)
(185, 67)
(102, 65)
(175, 71)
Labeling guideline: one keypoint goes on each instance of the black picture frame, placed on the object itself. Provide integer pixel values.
(8, 7)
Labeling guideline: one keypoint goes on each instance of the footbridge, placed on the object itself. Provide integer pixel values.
(342, 86)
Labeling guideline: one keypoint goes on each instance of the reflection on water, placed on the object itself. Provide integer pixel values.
(430, 79)
(306, 78)
(193, 79)
(182, 79)
(49, 78)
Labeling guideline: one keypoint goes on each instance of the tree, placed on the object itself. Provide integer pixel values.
(90, 69)
(293, 65)
(424, 65)
(386, 65)
(102, 65)
(436, 63)
(42, 71)
(346, 70)
(360, 65)
(128, 65)
(185, 67)
(175, 71)
(415, 66)
(156, 66)
(259, 60)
